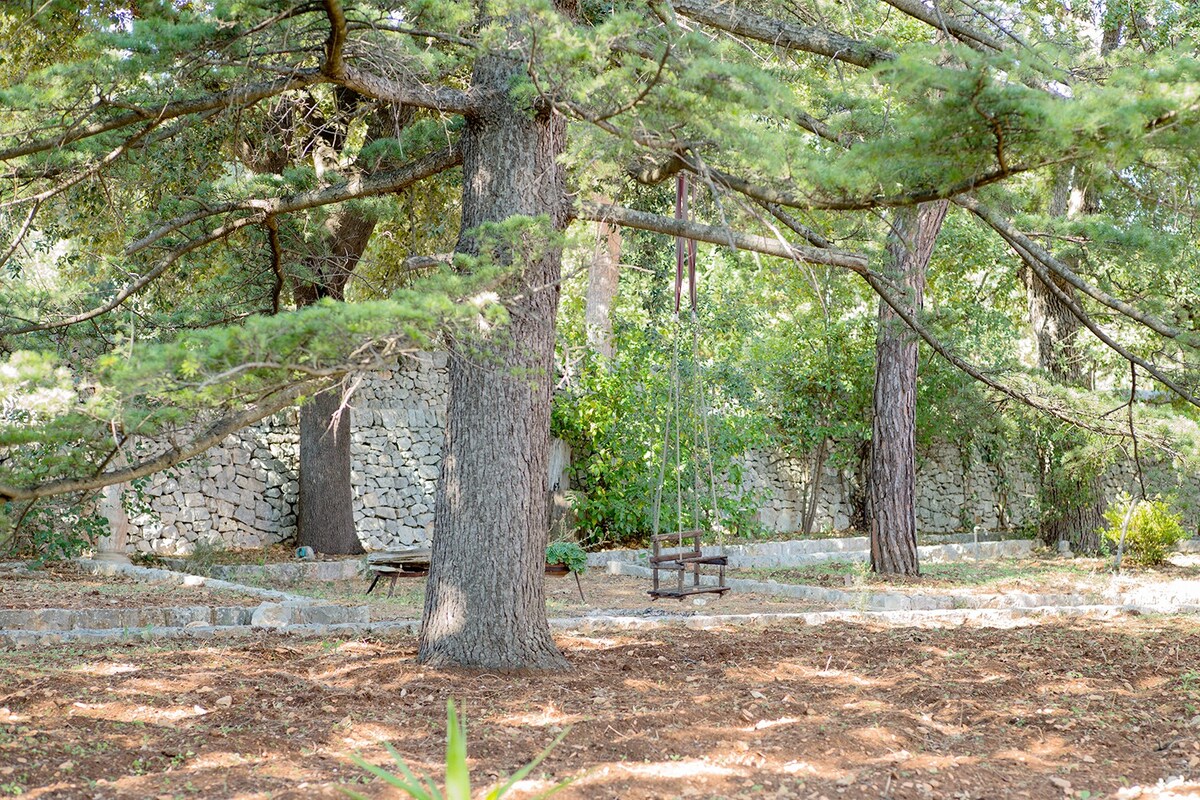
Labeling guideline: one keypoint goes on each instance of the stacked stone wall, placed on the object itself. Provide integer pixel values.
(243, 493)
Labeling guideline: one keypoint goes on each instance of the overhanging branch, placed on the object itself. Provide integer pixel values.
(818, 41)
(604, 212)
(259, 210)
(215, 433)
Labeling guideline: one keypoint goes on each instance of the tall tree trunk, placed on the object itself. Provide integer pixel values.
(485, 602)
(891, 477)
(1072, 504)
(326, 516)
(603, 275)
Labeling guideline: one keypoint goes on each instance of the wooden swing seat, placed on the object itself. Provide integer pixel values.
(683, 562)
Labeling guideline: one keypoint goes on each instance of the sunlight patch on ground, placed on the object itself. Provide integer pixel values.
(1171, 789)
(120, 712)
(369, 734)
(684, 768)
(548, 715)
(763, 724)
(103, 669)
(8, 718)
(792, 671)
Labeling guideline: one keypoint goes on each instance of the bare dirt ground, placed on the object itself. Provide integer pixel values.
(1079, 710)
(64, 585)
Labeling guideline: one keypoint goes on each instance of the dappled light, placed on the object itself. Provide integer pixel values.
(731, 713)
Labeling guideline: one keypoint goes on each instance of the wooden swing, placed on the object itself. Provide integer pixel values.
(677, 557)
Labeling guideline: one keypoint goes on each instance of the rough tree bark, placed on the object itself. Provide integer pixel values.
(891, 475)
(485, 599)
(325, 521)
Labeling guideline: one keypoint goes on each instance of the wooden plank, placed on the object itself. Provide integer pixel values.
(681, 593)
(689, 557)
(668, 537)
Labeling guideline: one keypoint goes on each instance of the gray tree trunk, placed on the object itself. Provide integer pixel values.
(891, 476)
(325, 521)
(485, 602)
(326, 516)
(1072, 506)
(603, 276)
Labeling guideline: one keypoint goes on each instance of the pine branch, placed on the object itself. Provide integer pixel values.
(241, 96)
(261, 210)
(605, 212)
(214, 435)
(818, 41)
(1010, 234)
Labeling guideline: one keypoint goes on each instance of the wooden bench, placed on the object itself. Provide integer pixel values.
(396, 564)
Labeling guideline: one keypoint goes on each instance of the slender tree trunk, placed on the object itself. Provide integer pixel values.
(603, 275)
(326, 516)
(485, 600)
(1072, 505)
(814, 487)
(891, 478)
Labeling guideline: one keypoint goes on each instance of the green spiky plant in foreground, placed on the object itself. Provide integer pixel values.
(458, 774)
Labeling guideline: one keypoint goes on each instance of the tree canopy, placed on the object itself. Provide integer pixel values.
(172, 171)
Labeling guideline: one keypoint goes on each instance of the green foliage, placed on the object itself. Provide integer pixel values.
(457, 778)
(1154, 529)
(569, 554)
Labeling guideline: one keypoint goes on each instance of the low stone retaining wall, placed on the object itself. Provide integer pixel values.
(988, 618)
(1180, 593)
(278, 610)
(815, 551)
(292, 571)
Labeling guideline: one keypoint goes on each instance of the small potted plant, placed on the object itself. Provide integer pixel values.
(566, 558)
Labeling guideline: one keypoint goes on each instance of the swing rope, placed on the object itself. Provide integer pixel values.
(701, 435)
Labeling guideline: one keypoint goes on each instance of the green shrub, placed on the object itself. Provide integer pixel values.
(569, 554)
(1154, 529)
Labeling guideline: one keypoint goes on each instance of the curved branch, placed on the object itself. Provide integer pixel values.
(934, 18)
(1081, 315)
(766, 194)
(20, 237)
(604, 212)
(79, 177)
(376, 87)
(176, 454)
(961, 364)
(385, 183)
(817, 41)
(388, 183)
(228, 99)
(1013, 236)
(335, 65)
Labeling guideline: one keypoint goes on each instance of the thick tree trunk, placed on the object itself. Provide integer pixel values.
(326, 518)
(603, 275)
(485, 600)
(891, 477)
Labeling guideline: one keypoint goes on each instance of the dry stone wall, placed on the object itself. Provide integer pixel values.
(243, 494)
(952, 494)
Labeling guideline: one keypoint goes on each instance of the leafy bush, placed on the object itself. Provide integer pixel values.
(569, 554)
(1154, 529)
(458, 776)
